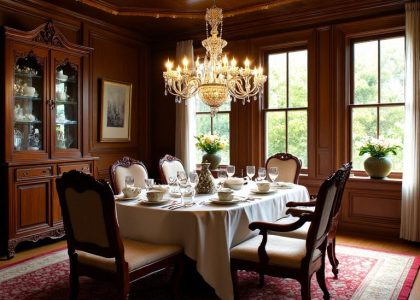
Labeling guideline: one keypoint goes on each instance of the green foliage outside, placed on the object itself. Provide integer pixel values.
(391, 90)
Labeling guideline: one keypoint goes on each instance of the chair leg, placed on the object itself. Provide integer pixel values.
(74, 280)
(234, 275)
(332, 258)
(261, 279)
(176, 277)
(320, 276)
(306, 288)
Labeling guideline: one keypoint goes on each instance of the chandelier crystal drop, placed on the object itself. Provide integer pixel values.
(215, 79)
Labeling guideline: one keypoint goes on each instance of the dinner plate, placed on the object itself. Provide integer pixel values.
(152, 203)
(126, 199)
(220, 202)
(256, 191)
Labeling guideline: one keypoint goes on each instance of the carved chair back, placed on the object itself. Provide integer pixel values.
(127, 166)
(169, 166)
(288, 166)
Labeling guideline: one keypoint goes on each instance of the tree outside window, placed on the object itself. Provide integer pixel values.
(286, 106)
(377, 104)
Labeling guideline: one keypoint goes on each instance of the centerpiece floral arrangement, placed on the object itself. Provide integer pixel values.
(209, 143)
(378, 147)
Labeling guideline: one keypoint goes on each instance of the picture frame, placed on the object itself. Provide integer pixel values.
(115, 111)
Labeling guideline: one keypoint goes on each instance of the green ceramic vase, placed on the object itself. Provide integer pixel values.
(213, 158)
(378, 167)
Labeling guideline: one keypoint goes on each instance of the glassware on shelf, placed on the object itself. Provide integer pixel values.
(34, 139)
(17, 141)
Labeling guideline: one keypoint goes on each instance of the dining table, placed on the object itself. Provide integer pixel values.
(206, 228)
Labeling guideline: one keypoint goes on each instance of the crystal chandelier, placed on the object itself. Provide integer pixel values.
(215, 80)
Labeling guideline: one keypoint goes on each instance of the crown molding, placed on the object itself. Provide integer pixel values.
(164, 13)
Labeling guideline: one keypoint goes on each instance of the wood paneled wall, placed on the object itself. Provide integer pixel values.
(119, 55)
(370, 207)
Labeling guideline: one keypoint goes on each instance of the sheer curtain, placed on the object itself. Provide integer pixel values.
(410, 209)
(185, 115)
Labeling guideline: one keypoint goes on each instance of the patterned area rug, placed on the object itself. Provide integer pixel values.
(364, 274)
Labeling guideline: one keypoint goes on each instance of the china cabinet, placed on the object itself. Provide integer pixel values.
(45, 130)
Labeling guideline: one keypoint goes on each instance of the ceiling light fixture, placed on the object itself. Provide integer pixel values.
(215, 80)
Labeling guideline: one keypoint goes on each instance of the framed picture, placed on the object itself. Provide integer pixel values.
(116, 111)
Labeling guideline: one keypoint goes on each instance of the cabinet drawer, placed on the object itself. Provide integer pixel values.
(38, 172)
(83, 167)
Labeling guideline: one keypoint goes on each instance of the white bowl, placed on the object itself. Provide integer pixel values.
(263, 186)
(235, 183)
(154, 195)
(29, 91)
(225, 194)
(131, 192)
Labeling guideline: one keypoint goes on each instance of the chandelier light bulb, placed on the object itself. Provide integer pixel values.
(169, 65)
(233, 62)
(247, 63)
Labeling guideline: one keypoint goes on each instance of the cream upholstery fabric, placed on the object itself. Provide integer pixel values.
(286, 168)
(171, 168)
(139, 173)
(299, 233)
(282, 251)
(87, 227)
(329, 201)
(137, 254)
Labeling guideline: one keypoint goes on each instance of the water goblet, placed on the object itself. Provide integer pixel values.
(261, 173)
(129, 181)
(273, 173)
(250, 171)
(230, 170)
(182, 181)
(193, 177)
(221, 176)
(149, 182)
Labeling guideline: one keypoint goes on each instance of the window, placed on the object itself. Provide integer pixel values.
(377, 102)
(219, 125)
(286, 107)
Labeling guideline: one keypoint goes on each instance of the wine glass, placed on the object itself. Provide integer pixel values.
(182, 181)
(261, 173)
(230, 170)
(193, 177)
(149, 182)
(129, 181)
(250, 171)
(273, 173)
(221, 176)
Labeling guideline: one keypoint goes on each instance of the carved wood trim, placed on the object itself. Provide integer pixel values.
(46, 34)
(165, 13)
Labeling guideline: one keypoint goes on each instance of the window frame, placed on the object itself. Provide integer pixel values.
(265, 101)
(351, 105)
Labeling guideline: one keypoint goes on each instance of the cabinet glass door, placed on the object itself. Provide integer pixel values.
(28, 95)
(66, 106)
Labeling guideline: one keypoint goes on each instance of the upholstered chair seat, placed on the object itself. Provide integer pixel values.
(283, 251)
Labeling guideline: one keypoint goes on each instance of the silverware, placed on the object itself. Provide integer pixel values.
(181, 206)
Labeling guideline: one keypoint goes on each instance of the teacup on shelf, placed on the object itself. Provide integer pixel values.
(29, 91)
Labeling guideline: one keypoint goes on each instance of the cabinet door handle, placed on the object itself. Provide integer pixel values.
(25, 173)
(45, 171)
(51, 103)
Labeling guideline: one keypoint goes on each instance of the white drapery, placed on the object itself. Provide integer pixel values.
(410, 209)
(185, 115)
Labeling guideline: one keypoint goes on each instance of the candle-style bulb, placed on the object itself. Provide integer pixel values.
(246, 63)
(169, 65)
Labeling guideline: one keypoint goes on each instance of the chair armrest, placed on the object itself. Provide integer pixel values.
(296, 212)
(265, 226)
(295, 204)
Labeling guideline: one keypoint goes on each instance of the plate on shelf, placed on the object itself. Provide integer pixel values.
(122, 198)
(220, 202)
(256, 191)
(153, 203)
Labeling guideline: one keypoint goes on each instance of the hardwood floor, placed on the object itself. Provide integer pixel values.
(402, 247)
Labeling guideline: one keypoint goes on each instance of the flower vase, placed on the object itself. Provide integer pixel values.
(212, 158)
(206, 183)
(378, 167)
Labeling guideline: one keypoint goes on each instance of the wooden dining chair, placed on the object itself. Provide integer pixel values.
(305, 207)
(288, 166)
(168, 167)
(127, 166)
(289, 257)
(95, 246)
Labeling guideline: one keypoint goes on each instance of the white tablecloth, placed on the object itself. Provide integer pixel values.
(206, 231)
